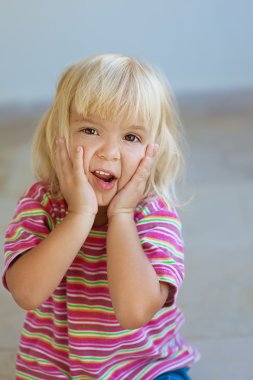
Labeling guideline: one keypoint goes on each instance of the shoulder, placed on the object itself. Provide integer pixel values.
(39, 196)
(38, 192)
(156, 215)
(155, 207)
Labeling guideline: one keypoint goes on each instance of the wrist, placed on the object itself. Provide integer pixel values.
(81, 216)
(127, 214)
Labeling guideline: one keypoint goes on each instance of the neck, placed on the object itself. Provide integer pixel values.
(101, 218)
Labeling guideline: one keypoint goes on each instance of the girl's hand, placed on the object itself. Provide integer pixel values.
(128, 197)
(74, 185)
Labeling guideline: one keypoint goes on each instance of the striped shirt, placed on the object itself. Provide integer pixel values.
(74, 334)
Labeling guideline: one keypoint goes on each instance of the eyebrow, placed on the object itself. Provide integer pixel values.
(88, 120)
(140, 127)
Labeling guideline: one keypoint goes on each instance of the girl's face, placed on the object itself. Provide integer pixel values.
(112, 152)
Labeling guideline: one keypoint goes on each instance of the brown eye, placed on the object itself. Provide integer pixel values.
(89, 131)
(132, 138)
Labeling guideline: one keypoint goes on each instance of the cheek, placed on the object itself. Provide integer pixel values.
(137, 156)
(131, 164)
(134, 163)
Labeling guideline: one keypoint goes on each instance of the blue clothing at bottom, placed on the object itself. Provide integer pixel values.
(178, 374)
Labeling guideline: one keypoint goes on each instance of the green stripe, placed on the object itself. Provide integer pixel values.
(7, 254)
(51, 316)
(125, 351)
(101, 333)
(51, 223)
(162, 219)
(45, 199)
(35, 212)
(98, 233)
(146, 369)
(160, 243)
(149, 344)
(166, 277)
(42, 361)
(145, 211)
(59, 298)
(25, 376)
(75, 306)
(19, 232)
(29, 213)
(91, 258)
(44, 338)
(86, 282)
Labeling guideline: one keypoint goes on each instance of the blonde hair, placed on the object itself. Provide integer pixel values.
(112, 86)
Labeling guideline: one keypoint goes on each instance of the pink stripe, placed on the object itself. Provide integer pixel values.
(86, 309)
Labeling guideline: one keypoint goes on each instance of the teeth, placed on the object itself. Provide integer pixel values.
(101, 172)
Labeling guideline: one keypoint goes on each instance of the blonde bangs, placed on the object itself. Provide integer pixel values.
(116, 89)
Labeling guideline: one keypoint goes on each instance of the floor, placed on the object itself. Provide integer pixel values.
(218, 217)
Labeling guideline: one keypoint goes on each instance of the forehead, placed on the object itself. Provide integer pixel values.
(96, 119)
(74, 115)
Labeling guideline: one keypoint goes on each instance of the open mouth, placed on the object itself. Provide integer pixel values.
(104, 177)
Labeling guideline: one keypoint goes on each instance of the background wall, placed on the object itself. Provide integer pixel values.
(206, 50)
(201, 45)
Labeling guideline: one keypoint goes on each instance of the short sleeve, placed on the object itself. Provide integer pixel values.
(160, 234)
(30, 224)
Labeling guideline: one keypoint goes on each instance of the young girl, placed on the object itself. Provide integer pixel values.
(94, 252)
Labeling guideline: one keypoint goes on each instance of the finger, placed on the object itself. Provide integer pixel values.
(78, 161)
(143, 170)
(149, 151)
(64, 163)
(152, 150)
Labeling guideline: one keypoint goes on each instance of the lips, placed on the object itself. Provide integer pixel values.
(104, 175)
(104, 179)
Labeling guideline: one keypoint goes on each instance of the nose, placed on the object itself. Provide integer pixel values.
(109, 151)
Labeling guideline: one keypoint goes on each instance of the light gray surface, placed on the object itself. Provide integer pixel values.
(218, 289)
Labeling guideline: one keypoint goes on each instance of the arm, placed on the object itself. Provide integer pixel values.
(134, 286)
(35, 275)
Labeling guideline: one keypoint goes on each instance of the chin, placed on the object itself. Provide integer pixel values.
(103, 201)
